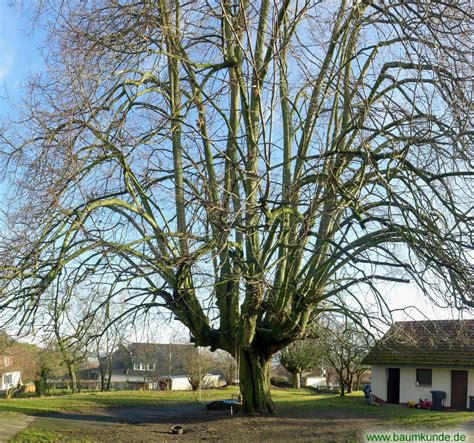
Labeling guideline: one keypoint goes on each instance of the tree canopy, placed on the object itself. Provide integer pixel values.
(299, 356)
(243, 165)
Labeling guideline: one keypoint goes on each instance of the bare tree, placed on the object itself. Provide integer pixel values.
(105, 337)
(227, 364)
(105, 345)
(67, 336)
(244, 165)
(343, 345)
(196, 363)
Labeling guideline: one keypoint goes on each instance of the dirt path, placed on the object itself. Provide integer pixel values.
(468, 427)
(113, 416)
(226, 428)
(11, 423)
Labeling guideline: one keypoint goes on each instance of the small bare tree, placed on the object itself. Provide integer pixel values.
(104, 341)
(342, 346)
(227, 364)
(196, 362)
(68, 337)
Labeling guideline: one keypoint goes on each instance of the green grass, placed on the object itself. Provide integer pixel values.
(88, 401)
(292, 402)
(43, 436)
(36, 435)
(285, 400)
(353, 404)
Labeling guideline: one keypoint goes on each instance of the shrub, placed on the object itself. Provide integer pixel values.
(280, 381)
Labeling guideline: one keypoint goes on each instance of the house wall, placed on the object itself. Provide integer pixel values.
(441, 381)
(315, 381)
(210, 381)
(182, 383)
(378, 382)
(179, 382)
(15, 379)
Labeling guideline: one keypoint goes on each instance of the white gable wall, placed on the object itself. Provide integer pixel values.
(378, 382)
(210, 381)
(180, 383)
(9, 379)
(314, 381)
(441, 381)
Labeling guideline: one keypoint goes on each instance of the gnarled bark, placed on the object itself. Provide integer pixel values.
(254, 382)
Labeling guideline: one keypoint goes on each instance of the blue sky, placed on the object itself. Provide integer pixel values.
(20, 56)
(20, 53)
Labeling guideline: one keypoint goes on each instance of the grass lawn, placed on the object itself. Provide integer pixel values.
(353, 404)
(90, 401)
(302, 414)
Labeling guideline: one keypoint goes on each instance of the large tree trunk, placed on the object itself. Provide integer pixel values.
(296, 380)
(254, 381)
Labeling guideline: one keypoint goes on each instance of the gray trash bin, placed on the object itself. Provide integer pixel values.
(438, 400)
(471, 403)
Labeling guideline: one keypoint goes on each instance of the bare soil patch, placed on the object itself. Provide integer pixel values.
(150, 424)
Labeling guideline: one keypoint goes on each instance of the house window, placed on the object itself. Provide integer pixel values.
(8, 379)
(144, 366)
(7, 361)
(423, 377)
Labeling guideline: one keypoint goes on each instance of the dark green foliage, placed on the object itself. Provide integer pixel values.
(280, 381)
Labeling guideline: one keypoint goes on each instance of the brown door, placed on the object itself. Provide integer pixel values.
(459, 390)
(393, 385)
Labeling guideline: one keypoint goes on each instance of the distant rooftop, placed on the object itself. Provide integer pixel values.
(167, 358)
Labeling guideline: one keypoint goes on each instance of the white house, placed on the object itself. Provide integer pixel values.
(414, 358)
(147, 366)
(9, 376)
(9, 379)
(315, 379)
(175, 382)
